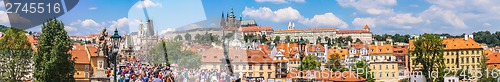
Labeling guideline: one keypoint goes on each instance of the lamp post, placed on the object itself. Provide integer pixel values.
(115, 39)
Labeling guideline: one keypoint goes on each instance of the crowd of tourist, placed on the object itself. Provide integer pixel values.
(137, 72)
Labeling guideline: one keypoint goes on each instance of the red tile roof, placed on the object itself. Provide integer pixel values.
(256, 28)
(315, 47)
(352, 31)
(79, 53)
(460, 43)
(309, 30)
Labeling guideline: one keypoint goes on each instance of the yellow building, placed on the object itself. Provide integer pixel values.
(383, 64)
(82, 63)
(248, 64)
(459, 53)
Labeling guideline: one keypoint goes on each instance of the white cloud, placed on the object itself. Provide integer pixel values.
(69, 28)
(361, 22)
(89, 22)
(405, 19)
(167, 30)
(281, 1)
(486, 24)
(446, 16)
(280, 15)
(373, 7)
(123, 22)
(327, 19)
(148, 4)
(4, 18)
(92, 8)
(290, 14)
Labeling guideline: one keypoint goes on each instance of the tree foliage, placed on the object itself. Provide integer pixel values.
(287, 39)
(428, 51)
(334, 63)
(309, 63)
(17, 53)
(277, 39)
(186, 58)
(362, 66)
(53, 62)
(187, 36)
(178, 38)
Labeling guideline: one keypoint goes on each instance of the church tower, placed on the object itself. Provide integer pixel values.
(222, 21)
(366, 28)
(291, 26)
(231, 19)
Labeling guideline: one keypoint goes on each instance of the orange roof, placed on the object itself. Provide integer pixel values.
(215, 55)
(288, 48)
(380, 49)
(80, 54)
(366, 27)
(352, 31)
(341, 52)
(460, 43)
(358, 46)
(92, 50)
(33, 40)
(316, 47)
(309, 30)
(257, 56)
(256, 28)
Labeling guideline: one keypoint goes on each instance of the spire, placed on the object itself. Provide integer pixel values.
(232, 14)
(241, 18)
(366, 27)
(222, 20)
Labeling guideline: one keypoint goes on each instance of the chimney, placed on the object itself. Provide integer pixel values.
(471, 36)
(466, 37)
(376, 43)
(349, 43)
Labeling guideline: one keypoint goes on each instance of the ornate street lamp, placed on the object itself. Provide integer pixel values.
(115, 40)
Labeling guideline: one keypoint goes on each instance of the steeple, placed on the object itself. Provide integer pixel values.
(232, 14)
(366, 27)
(291, 26)
(222, 21)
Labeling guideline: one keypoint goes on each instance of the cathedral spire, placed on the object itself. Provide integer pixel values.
(222, 20)
(232, 14)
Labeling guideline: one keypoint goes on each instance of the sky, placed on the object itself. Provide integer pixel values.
(382, 16)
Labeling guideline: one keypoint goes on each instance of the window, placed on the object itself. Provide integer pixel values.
(250, 67)
(447, 60)
(261, 66)
(452, 60)
(472, 60)
(269, 66)
(87, 67)
(467, 60)
(250, 74)
(261, 74)
(462, 60)
(379, 66)
(392, 66)
(386, 66)
(477, 59)
(236, 67)
(244, 74)
(269, 74)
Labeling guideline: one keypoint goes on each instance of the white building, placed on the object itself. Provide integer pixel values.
(312, 34)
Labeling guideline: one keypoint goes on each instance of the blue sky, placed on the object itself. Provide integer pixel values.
(383, 16)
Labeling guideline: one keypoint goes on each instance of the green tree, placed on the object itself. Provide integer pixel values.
(484, 70)
(53, 62)
(16, 53)
(309, 63)
(263, 38)
(277, 39)
(170, 53)
(197, 37)
(349, 39)
(334, 63)
(178, 38)
(362, 66)
(287, 39)
(318, 40)
(428, 51)
(187, 36)
(358, 40)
